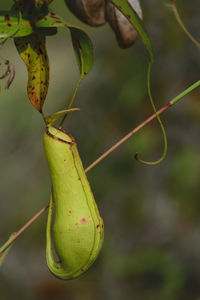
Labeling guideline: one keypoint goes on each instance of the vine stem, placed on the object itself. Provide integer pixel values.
(103, 156)
(158, 161)
(178, 18)
(72, 101)
(15, 235)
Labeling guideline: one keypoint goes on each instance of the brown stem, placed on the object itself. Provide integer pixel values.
(109, 151)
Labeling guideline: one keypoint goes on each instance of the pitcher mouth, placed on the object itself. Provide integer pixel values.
(60, 135)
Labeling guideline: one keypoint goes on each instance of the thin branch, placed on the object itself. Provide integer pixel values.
(15, 235)
(178, 18)
(71, 101)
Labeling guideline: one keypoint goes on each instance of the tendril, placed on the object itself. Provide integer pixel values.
(178, 18)
(154, 163)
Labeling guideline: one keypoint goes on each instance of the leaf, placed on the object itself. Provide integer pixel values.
(49, 120)
(81, 42)
(51, 20)
(32, 50)
(83, 49)
(133, 18)
(10, 26)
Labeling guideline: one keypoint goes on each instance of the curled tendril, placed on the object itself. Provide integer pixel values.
(154, 163)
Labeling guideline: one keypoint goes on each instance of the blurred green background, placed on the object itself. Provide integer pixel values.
(151, 214)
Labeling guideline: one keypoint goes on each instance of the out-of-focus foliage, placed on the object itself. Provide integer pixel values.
(151, 214)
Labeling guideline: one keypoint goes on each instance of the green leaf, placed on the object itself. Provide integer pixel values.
(133, 18)
(10, 25)
(32, 50)
(83, 50)
(81, 42)
(49, 120)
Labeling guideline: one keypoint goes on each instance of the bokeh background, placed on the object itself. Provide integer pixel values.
(151, 214)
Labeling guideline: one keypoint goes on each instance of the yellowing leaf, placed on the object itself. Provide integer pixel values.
(32, 50)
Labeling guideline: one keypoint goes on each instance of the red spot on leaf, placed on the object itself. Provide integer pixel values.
(53, 15)
(7, 18)
(79, 44)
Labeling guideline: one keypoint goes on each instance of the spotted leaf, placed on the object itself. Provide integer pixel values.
(32, 50)
(10, 25)
(51, 20)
